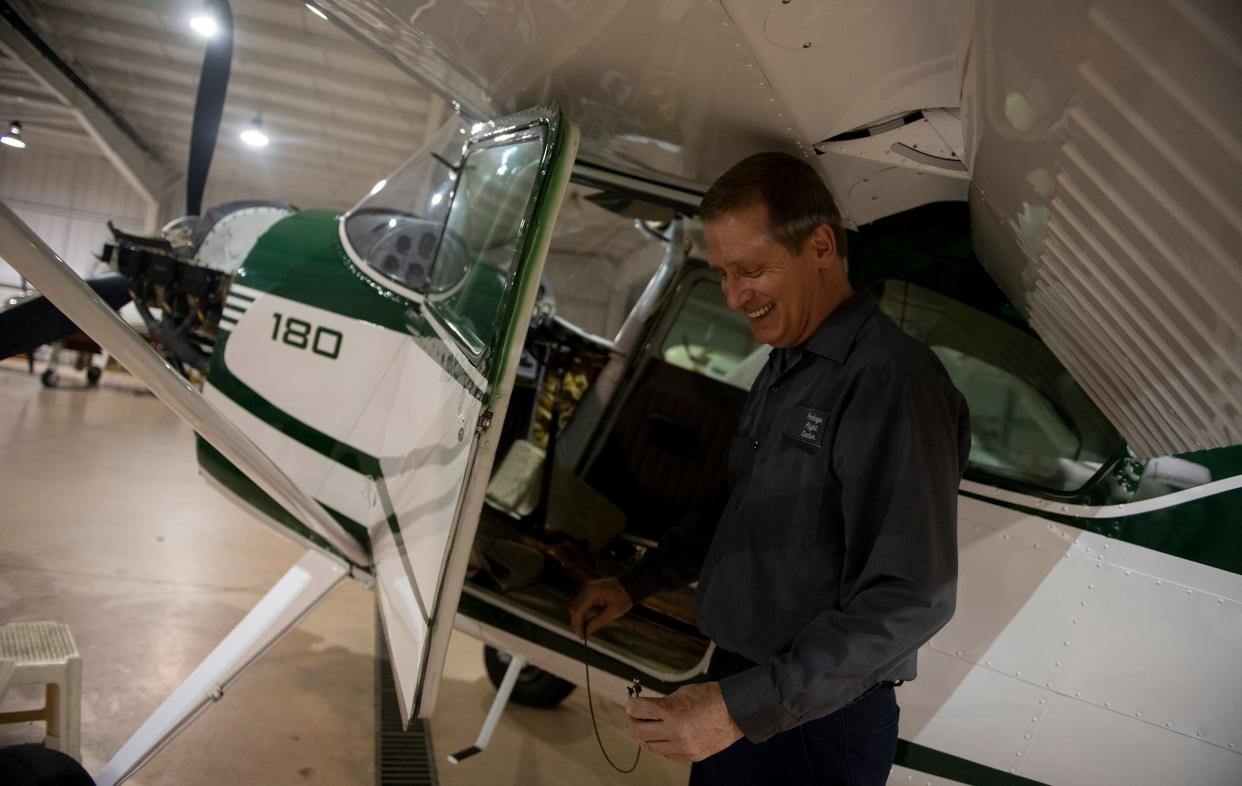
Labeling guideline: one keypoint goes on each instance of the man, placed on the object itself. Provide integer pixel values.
(836, 555)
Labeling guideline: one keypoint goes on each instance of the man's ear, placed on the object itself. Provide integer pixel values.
(823, 242)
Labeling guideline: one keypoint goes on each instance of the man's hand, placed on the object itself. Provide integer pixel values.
(600, 602)
(687, 725)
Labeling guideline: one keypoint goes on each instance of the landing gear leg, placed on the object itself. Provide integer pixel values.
(493, 715)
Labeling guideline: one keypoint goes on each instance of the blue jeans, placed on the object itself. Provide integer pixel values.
(853, 746)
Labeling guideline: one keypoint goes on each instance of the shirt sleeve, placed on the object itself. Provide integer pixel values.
(898, 454)
(678, 559)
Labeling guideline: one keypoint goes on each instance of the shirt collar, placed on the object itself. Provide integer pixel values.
(834, 338)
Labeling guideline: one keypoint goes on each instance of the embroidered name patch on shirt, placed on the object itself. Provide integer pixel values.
(807, 425)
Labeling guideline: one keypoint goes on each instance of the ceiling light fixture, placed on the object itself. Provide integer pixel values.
(14, 136)
(253, 134)
(378, 187)
(317, 12)
(205, 25)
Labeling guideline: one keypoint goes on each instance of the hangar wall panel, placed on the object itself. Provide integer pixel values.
(67, 198)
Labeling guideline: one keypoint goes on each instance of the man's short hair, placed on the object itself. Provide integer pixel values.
(792, 191)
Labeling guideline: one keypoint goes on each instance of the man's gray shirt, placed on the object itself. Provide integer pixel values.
(835, 557)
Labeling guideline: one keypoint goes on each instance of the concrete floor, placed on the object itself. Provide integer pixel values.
(106, 526)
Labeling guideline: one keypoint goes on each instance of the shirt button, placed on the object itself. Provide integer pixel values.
(773, 389)
(754, 445)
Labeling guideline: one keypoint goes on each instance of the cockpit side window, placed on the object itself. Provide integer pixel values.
(709, 338)
(483, 233)
(1029, 420)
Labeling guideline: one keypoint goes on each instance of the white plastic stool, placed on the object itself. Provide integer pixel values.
(43, 653)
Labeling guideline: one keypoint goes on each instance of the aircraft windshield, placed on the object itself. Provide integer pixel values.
(396, 229)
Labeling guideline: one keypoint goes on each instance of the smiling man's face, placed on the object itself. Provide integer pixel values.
(785, 296)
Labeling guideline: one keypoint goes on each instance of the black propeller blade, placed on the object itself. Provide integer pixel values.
(213, 83)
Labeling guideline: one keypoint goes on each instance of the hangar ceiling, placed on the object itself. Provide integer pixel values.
(339, 116)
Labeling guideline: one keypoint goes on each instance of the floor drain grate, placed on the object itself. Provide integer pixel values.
(402, 758)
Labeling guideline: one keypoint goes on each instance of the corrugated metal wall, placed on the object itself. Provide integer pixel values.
(67, 198)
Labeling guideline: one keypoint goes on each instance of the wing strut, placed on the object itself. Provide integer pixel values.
(26, 252)
(283, 607)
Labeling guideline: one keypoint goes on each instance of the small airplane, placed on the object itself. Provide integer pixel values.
(508, 367)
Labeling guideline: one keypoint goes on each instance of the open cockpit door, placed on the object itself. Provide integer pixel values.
(472, 307)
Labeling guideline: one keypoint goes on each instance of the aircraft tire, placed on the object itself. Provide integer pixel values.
(35, 765)
(535, 687)
(50, 378)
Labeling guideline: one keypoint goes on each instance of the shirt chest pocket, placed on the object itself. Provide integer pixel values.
(793, 477)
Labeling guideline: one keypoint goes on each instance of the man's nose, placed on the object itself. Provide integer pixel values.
(734, 293)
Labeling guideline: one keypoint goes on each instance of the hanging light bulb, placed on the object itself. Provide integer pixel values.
(253, 134)
(14, 136)
(205, 25)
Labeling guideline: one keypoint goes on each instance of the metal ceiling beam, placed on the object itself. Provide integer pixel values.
(129, 36)
(163, 104)
(161, 110)
(132, 156)
(350, 91)
(250, 35)
(261, 92)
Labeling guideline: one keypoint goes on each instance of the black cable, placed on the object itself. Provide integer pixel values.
(586, 653)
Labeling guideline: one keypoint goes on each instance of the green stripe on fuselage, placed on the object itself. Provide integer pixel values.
(301, 258)
(1198, 530)
(215, 464)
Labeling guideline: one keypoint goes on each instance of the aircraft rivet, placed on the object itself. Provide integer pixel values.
(1220, 600)
(1127, 573)
(806, 45)
(1168, 725)
(1058, 666)
(987, 663)
(1138, 714)
(1078, 694)
(1231, 746)
(1190, 592)
(1108, 704)
(1158, 582)
(1075, 621)
(1041, 701)
(1198, 734)
(1018, 673)
(1090, 586)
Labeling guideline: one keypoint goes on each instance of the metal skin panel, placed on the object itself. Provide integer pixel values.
(682, 89)
(1136, 643)
(904, 776)
(230, 240)
(1080, 745)
(1104, 203)
(988, 718)
(681, 96)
